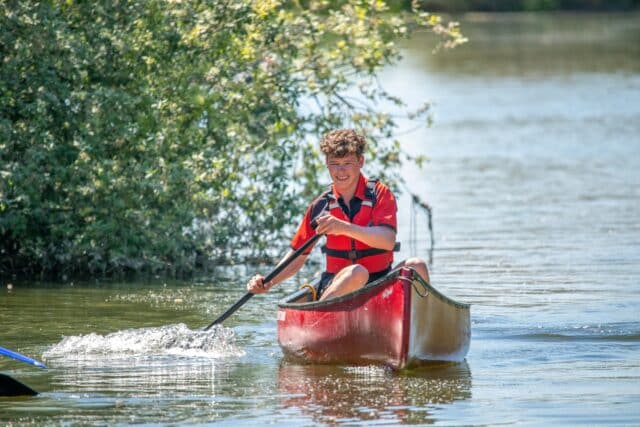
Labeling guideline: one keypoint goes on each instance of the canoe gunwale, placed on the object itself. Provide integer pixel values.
(433, 291)
(383, 281)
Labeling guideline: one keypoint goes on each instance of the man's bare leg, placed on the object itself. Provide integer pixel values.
(347, 280)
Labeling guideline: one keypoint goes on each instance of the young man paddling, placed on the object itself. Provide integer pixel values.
(357, 215)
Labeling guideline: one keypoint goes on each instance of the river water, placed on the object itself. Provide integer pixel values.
(534, 180)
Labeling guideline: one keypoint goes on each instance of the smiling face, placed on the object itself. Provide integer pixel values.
(345, 172)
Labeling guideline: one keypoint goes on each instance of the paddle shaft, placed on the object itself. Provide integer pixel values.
(284, 264)
(21, 357)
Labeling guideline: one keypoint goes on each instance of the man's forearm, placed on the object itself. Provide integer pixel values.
(377, 236)
(289, 270)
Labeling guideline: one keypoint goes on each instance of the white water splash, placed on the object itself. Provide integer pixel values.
(176, 340)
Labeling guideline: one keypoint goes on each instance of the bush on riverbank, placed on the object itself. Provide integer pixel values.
(159, 136)
(522, 5)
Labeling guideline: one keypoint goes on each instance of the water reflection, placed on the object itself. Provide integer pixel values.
(146, 361)
(535, 45)
(145, 377)
(330, 394)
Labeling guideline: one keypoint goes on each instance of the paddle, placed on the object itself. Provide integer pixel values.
(267, 279)
(12, 387)
(21, 357)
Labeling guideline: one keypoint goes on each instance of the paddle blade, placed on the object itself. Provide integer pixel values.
(21, 357)
(12, 387)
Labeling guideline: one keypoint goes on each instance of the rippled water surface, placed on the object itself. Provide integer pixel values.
(534, 180)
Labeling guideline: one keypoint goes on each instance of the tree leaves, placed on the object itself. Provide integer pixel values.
(165, 135)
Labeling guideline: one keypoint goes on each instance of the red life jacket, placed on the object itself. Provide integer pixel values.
(343, 251)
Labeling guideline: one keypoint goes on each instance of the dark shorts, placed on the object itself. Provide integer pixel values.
(326, 278)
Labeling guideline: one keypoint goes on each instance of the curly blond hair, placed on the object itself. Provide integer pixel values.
(342, 142)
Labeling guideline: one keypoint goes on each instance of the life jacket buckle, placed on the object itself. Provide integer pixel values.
(353, 255)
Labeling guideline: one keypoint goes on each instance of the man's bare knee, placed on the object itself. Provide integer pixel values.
(414, 262)
(357, 273)
(347, 280)
(419, 266)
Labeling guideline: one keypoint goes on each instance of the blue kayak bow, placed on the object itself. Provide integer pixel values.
(21, 357)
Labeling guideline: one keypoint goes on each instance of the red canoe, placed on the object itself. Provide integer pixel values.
(398, 320)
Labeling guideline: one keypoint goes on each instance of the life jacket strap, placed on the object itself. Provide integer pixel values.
(355, 254)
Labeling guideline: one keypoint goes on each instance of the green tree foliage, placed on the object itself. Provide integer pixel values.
(156, 135)
(519, 5)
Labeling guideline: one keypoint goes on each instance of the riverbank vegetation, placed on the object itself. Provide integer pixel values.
(164, 136)
(457, 6)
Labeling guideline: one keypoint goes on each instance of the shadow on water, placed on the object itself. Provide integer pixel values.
(330, 394)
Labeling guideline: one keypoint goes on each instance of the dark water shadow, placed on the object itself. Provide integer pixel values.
(332, 394)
